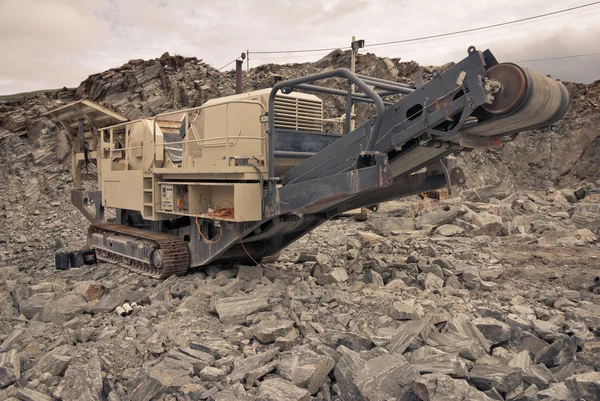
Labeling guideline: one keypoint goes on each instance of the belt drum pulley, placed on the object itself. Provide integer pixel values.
(527, 100)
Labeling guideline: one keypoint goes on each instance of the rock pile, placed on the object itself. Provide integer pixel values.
(392, 308)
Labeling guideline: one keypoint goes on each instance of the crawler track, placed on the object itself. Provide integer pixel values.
(175, 255)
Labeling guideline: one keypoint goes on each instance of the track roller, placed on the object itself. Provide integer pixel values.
(154, 254)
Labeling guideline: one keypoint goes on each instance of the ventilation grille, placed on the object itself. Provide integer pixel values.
(298, 114)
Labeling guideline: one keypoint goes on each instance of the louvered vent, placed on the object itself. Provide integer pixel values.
(298, 114)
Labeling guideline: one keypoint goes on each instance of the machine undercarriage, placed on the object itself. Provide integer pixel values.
(241, 177)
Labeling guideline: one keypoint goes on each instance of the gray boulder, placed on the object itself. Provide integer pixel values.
(279, 389)
(493, 330)
(234, 310)
(556, 392)
(250, 273)
(439, 387)
(384, 225)
(10, 368)
(63, 309)
(35, 304)
(245, 366)
(560, 352)
(269, 329)
(82, 380)
(346, 371)
(585, 386)
(305, 368)
(386, 377)
(502, 377)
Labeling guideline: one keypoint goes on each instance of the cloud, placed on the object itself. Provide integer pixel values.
(566, 42)
(55, 43)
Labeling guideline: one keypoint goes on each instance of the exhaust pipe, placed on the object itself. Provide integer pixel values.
(238, 76)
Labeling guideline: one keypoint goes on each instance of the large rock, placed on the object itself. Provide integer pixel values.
(525, 341)
(463, 325)
(406, 310)
(480, 194)
(198, 360)
(439, 387)
(166, 377)
(448, 364)
(538, 374)
(305, 368)
(448, 230)
(370, 276)
(406, 334)
(452, 342)
(54, 363)
(245, 366)
(346, 370)
(547, 330)
(560, 352)
(268, 330)
(19, 338)
(27, 394)
(587, 312)
(261, 371)
(10, 368)
(384, 225)
(354, 341)
(63, 309)
(234, 310)
(439, 217)
(250, 273)
(6, 304)
(482, 219)
(35, 304)
(89, 290)
(585, 386)
(502, 377)
(115, 297)
(386, 377)
(217, 347)
(82, 380)
(326, 275)
(528, 394)
(279, 389)
(430, 281)
(212, 374)
(237, 392)
(556, 392)
(493, 330)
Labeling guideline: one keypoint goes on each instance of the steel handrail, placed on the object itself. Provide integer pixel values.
(370, 95)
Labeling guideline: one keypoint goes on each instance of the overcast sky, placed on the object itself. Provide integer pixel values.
(54, 43)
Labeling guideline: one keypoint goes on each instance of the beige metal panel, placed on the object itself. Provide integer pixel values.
(247, 202)
(70, 114)
(154, 152)
(230, 130)
(123, 189)
(307, 109)
(255, 95)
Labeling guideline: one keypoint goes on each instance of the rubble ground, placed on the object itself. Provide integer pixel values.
(505, 308)
(492, 294)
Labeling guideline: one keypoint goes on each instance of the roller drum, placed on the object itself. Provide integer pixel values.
(527, 100)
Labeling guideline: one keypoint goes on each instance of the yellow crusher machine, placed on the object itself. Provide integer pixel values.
(241, 177)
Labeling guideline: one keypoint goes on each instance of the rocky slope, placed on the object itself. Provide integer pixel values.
(492, 294)
(427, 300)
